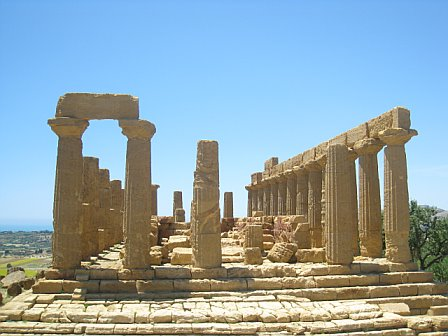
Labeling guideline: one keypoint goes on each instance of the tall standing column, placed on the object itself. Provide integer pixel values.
(228, 204)
(154, 207)
(249, 201)
(177, 201)
(254, 194)
(322, 161)
(314, 202)
(301, 191)
(206, 227)
(260, 197)
(370, 235)
(291, 185)
(352, 156)
(67, 195)
(274, 197)
(281, 195)
(339, 237)
(396, 196)
(267, 199)
(137, 211)
(104, 212)
(117, 201)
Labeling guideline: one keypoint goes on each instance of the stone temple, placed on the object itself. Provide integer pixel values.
(314, 255)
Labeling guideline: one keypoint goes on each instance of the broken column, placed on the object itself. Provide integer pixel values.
(177, 201)
(206, 228)
(117, 202)
(370, 222)
(154, 188)
(253, 236)
(228, 204)
(339, 237)
(396, 196)
(291, 185)
(67, 196)
(137, 211)
(314, 202)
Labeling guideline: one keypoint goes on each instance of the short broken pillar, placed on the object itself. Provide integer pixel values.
(370, 222)
(314, 202)
(90, 206)
(67, 196)
(177, 201)
(339, 237)
(117, 202)
(253, 236)
(291, 185)
(206, 226)
(154, 208)
(228, 204)
(396, 195)
(137, 210)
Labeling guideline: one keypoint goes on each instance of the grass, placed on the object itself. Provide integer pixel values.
(32, 263)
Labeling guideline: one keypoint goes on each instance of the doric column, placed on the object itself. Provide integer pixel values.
(260, 196)
(352, 156)
(228, 204)
(90, 205)
(154, 208)
(177, 201)
(314, 202)
(249, 201)
(254, 193)
(339, 237)
(137, 210)
(301, 191)
(206, 227)
(67, 195)
(282, 195)
(291, 185)
(267, 198)
(396, 197)
(117, 203)
(322, 161)
(274, 196)
(105, 233)
(370, 222)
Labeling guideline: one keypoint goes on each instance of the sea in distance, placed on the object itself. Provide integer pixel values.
(26, 225)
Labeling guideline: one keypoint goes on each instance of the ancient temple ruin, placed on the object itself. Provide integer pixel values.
(307, 259)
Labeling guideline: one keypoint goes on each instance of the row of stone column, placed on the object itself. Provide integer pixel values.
(68, 201)
(325, 192)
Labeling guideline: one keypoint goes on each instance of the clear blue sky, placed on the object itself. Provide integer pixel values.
(264, 78)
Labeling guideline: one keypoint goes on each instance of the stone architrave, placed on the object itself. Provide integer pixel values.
(314, 202)
(352, 156)
(291, 185)
(339, 237)
(396, 196)
(68, 188)
(228, 204)
(137, 210)
(117, 202)
(154, 207)
(267, 199)
(253, 236)
(177, 201)
(206, 227)
(90, 205)
(274, 196)
(301, 191)
(249, 201)
(105, 220)
(281, 195)
(370, 231)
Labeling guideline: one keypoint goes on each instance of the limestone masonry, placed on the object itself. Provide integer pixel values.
(308, 259)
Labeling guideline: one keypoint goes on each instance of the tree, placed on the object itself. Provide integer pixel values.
(428, 240)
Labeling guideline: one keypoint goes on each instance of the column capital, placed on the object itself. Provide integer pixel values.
(299, 170)
(313, 165)
(322, 161)
(397, 136)
(137, 129)
(368, 146)
(68, 127)
(289, 173)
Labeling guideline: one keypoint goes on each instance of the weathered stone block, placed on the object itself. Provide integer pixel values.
(282, 252)
(252, 256)
(181, 256)
(118, 286)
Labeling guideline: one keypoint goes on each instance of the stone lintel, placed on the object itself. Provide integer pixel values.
(98, 106)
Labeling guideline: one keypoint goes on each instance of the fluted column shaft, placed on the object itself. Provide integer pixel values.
(339, 236)
(267, 199)
(282, 196)
(137, 212)
(370, 234)
(396, 196)
(301, 192)
(314, 203)
(68, 192)
(254, 194)
(291, 187)
(117, 202)
(274, 198)
(260, 196)
(178, 203)
(228, 204)
(249, 201)
(354, 200)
